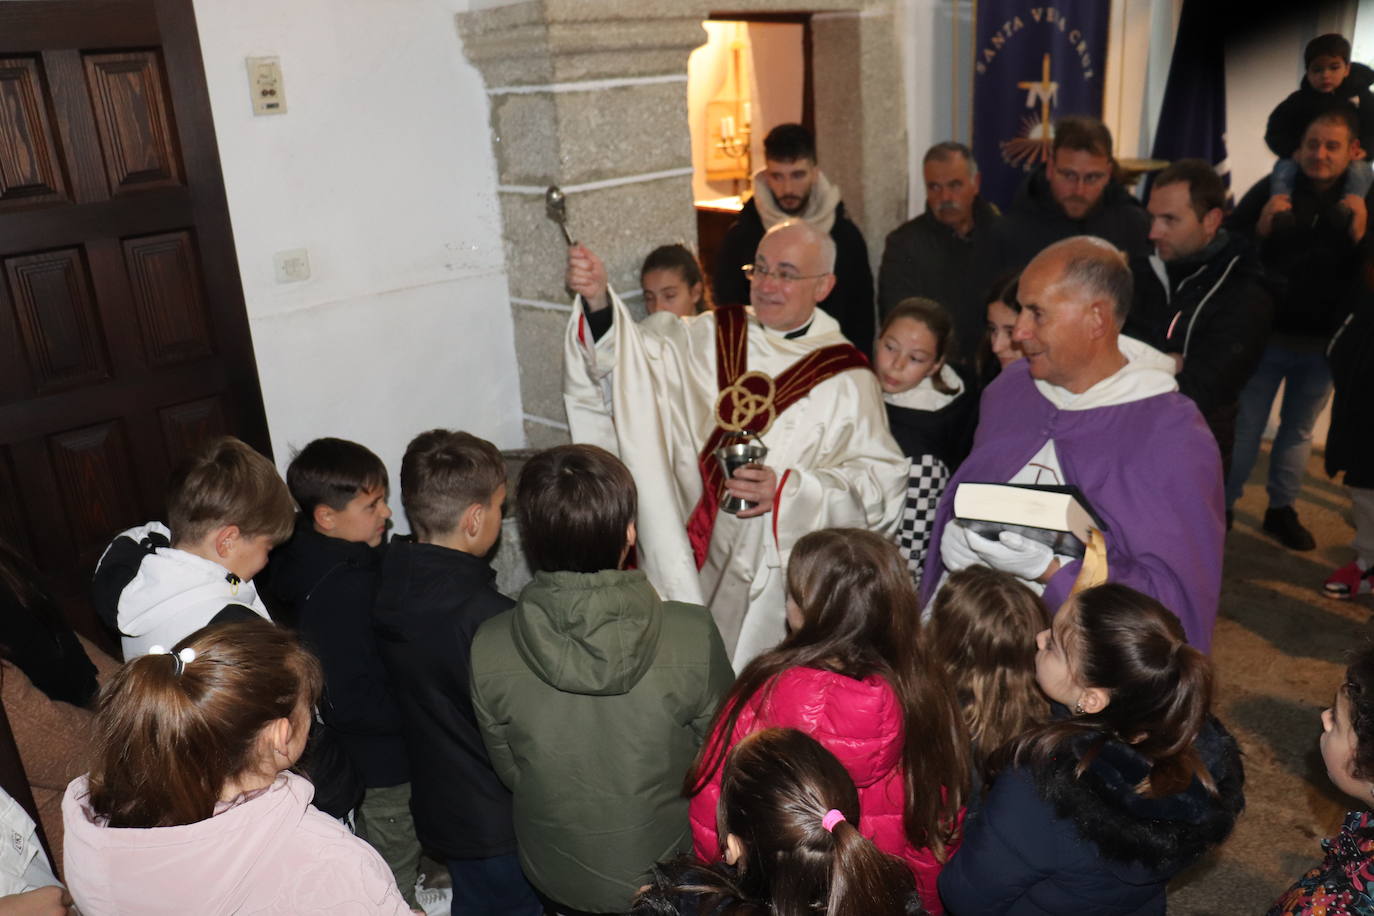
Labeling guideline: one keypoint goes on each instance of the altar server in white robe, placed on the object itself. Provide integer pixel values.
(656, 393)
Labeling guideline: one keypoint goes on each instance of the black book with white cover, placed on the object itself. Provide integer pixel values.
(1057, 516)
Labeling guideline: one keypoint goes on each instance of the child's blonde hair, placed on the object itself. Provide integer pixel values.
(982, 629)
(228, 483)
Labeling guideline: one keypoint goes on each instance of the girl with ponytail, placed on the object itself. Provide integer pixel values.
(191, 805)
(787, 813)
(853, 675)
(1131, 782)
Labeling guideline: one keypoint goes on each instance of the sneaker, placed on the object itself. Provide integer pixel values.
(1283, 524)
(1349, 581)
(435, 901)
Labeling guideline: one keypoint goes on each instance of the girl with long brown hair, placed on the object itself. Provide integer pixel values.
(982, 628)
(853, 676)
(788, 811)
(191, 805)
(1132, 782)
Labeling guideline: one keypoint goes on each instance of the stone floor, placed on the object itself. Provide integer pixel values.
(1279, 650)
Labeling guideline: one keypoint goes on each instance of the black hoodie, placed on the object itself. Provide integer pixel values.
(1035, 221)
(1311, 263)
(326, 587)
(1214, 308)
(430, 604)
(1289, 121)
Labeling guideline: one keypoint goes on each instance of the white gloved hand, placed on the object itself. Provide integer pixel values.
(1020, 556)
(955, 551)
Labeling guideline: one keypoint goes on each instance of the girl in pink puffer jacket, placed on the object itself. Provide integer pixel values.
(853, 676)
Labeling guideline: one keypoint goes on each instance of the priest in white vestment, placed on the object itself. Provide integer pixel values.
(649, 393)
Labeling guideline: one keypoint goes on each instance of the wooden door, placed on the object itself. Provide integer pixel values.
(123, 336)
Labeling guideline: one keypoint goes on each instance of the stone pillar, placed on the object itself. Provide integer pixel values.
(591, 96)
(861, 116)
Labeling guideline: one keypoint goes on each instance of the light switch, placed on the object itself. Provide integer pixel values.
(265, 85)
(292, 266)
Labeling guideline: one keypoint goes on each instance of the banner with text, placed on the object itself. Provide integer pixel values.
(1035, 62)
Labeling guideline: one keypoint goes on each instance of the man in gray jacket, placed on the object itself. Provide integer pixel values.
(942, 254)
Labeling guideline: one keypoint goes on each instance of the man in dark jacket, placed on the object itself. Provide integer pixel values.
(1200, 296)
(791, 186)
(1072, 194)
(1312, 260)
(942, 254)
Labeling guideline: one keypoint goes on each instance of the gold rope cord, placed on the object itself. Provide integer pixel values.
(1094, 568)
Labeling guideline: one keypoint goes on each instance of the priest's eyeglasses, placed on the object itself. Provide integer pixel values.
(757, 273)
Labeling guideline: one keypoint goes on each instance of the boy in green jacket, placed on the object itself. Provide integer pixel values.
(592, 693)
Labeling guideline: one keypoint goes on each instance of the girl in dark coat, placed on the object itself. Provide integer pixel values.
(789, 813)
(931, 411)
(1343, 884)
(1103, 806)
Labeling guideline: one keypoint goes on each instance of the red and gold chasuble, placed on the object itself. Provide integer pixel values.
(751, 401)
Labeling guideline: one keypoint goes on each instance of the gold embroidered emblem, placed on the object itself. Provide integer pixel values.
(747, 404)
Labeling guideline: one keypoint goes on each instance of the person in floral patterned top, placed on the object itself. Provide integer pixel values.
(1343, 884)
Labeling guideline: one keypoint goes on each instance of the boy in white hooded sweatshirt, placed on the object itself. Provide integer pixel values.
(226, 509)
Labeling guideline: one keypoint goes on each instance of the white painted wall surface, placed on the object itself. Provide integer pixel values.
(382, 168)
(1260, 72)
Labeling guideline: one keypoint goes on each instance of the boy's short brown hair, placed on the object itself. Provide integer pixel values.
(1206, 190)
(574, 505)
(228, 483)
(443, 472)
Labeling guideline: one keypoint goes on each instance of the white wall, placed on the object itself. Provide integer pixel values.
(382, 168)
(1261, 70)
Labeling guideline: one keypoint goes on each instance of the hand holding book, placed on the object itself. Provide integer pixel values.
(961, 547)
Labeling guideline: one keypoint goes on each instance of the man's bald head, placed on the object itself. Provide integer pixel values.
(1095, 268)
(793, 270)
(809, 235)
(1074, 296)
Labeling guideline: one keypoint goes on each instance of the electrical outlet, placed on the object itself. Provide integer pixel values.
(265, 86)
(292, 266)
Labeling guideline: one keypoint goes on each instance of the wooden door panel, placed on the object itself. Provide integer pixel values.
(14, 528)
(71, 106)
(30, 162)
(133, 121)
(124, 341)
(95, 475)
(55, 309)
(185, 426)
(143, 214)
(168, 297)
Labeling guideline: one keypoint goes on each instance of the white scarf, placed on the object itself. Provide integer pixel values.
(819, 210)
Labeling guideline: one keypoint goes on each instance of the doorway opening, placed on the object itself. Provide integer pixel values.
(752, 74)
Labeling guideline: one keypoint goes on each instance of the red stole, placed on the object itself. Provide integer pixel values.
(751, 401)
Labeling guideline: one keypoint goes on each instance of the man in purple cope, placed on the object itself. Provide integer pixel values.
(1091, 408)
